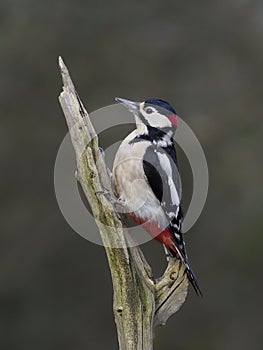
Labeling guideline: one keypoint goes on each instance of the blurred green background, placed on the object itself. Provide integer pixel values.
(206, 58)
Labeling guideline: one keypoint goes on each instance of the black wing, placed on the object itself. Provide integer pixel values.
(161, 170)
(160, 167)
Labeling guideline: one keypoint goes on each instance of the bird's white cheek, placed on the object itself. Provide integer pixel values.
(158, 121)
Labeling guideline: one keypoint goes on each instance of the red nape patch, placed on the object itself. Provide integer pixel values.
(173, 119)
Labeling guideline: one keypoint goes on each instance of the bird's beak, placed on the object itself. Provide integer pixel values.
(131, 105)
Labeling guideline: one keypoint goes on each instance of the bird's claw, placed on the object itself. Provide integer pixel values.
(102, 152)
(167, 254)
(112, 200)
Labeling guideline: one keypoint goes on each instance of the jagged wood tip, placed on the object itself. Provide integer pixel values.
(67, 82)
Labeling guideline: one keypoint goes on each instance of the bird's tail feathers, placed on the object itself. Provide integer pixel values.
(193, 280)
(189, 271)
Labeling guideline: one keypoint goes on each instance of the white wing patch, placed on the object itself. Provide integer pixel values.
(165, 163)
(174, 194)
(166, 166)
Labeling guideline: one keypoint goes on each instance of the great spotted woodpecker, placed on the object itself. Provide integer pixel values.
(146, 178)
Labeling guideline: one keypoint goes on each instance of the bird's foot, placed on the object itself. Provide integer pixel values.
(167, 254)
(114, 201)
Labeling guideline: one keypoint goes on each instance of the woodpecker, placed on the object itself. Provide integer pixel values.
(146, 179)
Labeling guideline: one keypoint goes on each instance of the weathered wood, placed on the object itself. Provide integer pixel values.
(139, 302)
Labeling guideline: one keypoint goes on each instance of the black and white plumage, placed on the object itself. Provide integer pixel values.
(146, 177)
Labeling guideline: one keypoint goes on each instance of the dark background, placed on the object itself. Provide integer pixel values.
(206, 58)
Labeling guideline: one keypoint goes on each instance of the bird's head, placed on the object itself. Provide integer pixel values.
(152, 113)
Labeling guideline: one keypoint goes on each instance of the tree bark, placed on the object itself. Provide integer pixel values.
(140, 302)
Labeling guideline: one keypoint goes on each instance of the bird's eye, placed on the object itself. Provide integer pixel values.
(149, 110)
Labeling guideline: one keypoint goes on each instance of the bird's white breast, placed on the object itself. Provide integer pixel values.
(131, 183)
